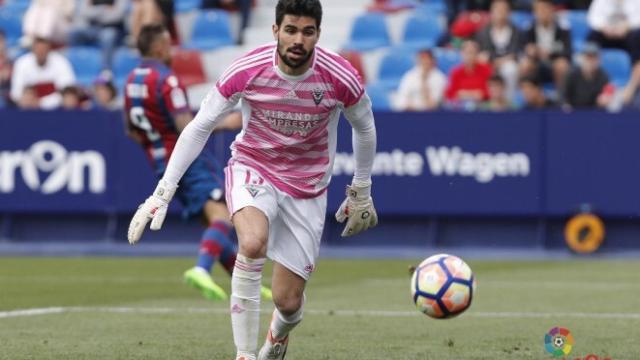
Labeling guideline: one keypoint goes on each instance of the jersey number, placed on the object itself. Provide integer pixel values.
(139, 120)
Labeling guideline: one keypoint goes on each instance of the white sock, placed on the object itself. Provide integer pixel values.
(245, 304)
(245, 356)
(281, 325)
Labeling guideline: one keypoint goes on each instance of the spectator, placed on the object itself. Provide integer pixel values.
(585, 84)
(105, 95)
(244, 6)
(498, 99)
(145, 12)
(500, 42)
(468, 81)
(547, 49)
(29, 99)
(100, 22)
(422, 87)
(73, 98)
(49, 19)
(47, 71)
(616, 24)
(5, 71)
(534, 96)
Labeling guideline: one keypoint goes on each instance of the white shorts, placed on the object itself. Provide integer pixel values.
(295, 225)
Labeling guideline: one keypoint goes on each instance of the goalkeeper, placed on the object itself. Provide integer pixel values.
(292, 93)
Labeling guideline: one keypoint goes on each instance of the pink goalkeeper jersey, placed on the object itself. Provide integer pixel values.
(290, 123)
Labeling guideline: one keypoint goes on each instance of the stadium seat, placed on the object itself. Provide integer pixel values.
(124, 61)
(522, 19)
(86, 62)
(187, 64)
(182, 6)
(576, 20)
(422, 32)
(393, 66)
(379, 97)
(369, 32)
(431, 8)
(11, 24)
(447, 59)
(211, 30)
(617, 64)
(17, 6)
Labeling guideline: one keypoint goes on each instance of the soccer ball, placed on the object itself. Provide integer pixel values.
(442, 286)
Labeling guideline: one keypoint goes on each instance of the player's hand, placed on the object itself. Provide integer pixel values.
(358, 210)
(154, 209)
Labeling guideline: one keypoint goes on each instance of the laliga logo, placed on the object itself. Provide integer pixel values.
(559, 342)
(64, 168)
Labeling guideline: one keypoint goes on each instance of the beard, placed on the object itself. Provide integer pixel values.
(294, 63)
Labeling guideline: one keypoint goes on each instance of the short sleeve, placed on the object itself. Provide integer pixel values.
(235, 78)
(349, 89)
(174, 95)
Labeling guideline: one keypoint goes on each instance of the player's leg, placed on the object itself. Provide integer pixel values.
(288, 296)
(214, 244)
(200, 192)
(217, 215)
(294, 248)
(252, 201)
(252, 227)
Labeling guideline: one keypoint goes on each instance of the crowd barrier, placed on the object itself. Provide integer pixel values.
(521, 165)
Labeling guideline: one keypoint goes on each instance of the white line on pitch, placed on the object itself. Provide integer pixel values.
(345, 313)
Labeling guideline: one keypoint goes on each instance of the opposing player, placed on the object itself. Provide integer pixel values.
(156, 111)
(292, 93)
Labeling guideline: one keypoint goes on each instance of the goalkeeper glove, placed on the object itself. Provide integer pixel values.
(358, 209)
(154, 209)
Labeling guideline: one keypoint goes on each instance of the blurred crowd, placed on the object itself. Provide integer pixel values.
(41, 77)
(503, 67)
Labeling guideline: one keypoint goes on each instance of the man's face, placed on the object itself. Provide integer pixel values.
(500, 12)
(543, 12)
(70, 101)
(590, 63)
(297, 36)
(162, 48)
(529, 92)
(41, 51)
(496, 90)
(470, 52)
(425, 61)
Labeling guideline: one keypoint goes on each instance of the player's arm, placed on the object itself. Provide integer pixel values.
(232, 121)
(190, 143)
(358, 206)
(129, 130)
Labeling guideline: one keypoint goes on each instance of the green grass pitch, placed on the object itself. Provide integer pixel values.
(138, 308)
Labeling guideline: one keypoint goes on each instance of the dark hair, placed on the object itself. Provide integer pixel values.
(530, 79)
(310, 8)
(550, 2)
(73, 90)
(426, 51)
(149, 34)
(497, 79)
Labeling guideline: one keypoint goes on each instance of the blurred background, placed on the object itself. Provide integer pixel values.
(498, 121)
